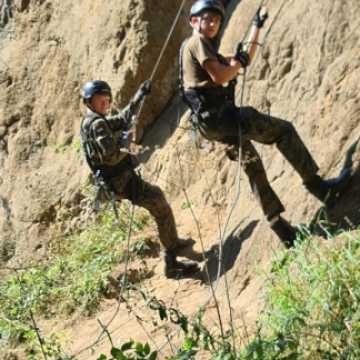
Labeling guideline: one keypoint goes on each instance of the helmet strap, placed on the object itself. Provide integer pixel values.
(88, 105)
(197, 27)
(200, 22)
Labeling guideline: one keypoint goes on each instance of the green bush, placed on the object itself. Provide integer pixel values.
(312, 304)
(131, 351)
(74, 280)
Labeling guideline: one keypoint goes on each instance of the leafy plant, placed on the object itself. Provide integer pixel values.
(186, 205)
(75, 279)
(131, 351)
(312, 304)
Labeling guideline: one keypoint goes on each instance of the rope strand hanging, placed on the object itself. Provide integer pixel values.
(137, 116)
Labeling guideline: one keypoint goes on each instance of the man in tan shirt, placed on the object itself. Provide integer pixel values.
(204, 74)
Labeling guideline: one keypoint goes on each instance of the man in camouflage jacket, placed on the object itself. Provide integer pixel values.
(105, 141)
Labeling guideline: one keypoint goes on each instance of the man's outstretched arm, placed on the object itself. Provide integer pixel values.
(221, 73)
(129, 111)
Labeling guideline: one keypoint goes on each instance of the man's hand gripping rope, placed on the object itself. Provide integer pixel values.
(242, 50)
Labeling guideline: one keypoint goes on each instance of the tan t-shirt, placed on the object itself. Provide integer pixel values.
(196, 51)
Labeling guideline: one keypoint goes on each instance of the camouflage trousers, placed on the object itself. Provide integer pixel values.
(132, 187)
(232, 124)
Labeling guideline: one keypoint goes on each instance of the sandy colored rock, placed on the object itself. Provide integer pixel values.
(307, 71)
(49, 49)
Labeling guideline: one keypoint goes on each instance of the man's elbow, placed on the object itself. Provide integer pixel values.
(219, 79)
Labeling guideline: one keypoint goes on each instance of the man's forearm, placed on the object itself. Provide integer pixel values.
(220, 73)
(258, 22)
(252, 42)
(128, 112)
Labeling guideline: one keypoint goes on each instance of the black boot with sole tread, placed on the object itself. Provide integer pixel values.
(283, 229)
(328, 190)
(175, 269)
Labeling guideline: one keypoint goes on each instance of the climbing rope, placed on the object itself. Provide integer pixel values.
(222, 232)
(235, 200)
(238, 191)
(241, 102)
(167, 39)
(137, 116)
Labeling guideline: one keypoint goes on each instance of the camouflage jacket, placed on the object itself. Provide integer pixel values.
(106, 140)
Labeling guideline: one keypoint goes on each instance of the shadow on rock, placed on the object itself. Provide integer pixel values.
(231, 249)
(345, 211)
(162, 129)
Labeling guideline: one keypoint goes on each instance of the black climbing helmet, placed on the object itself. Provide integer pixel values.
(203, 5)
(95, 87)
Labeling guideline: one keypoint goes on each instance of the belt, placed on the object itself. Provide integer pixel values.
(208, 99)
(110, 171)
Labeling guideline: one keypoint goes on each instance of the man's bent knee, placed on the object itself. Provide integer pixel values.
(285, 130)
(247, 112)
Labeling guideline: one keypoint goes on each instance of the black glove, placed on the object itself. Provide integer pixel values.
(145, 88)
(259, 19)
(242, 56)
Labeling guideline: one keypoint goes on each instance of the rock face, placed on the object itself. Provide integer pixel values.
(48, 49)
(307, 72)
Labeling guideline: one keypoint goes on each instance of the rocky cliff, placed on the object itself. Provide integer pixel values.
(48, 50)
(307, 71)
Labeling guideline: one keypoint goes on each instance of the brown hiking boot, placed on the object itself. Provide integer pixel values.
(283, 229)
(175, 269)
(328, 190)
(232, 152)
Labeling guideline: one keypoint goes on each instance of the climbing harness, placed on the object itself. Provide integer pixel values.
(92, 152)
